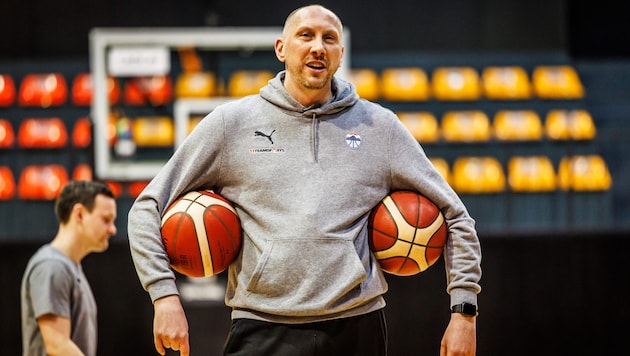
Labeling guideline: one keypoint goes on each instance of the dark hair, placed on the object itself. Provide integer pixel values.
(81, 191)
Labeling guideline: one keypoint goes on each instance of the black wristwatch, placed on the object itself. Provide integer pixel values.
(465, 308)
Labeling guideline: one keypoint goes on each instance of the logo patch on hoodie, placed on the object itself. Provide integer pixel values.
(269, 139)
(353, 140)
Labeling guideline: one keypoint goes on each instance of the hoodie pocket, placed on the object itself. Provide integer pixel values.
(307, 276)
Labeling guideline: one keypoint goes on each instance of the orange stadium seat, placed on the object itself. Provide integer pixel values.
(7, 90)
(506, 83)
(456, 83)
(478, 175)
(584, 173)
(82, 171)
(49, 89)
(366, 82)
(7, 183)
(42, 133)
(155, 90)
(466, 126)
(422, 124)
(196, 85)
(531, 174)
(517, 125)
(563, 124)
(247, 82)
(42, 182)
(442, 166)
(158, 131)
(405, 84)
(82, 133)
(7, 135)
(557, 82)
(82, 89)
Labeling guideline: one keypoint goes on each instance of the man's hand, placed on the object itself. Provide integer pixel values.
(460, 337)
(170, 326)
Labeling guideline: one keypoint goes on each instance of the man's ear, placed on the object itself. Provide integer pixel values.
(279, 48)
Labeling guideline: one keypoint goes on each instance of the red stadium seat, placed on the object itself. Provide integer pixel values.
(42, 133)
(135, 188)
(82, 89)
(82, 133)
(42, 182)
(7, 90)
(7, 135)
(82, 171)
(156, 91)
(49, 89)
(7, 183)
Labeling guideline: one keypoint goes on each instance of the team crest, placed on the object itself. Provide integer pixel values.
(353, 140)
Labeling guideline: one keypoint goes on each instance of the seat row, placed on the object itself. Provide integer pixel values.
(51, 89)
(45, 181)
(536, 173)
(467, 175)
(393, 84)
(455, 126)
(467, 83)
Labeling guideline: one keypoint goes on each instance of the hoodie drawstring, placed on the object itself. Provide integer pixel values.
(314, 137)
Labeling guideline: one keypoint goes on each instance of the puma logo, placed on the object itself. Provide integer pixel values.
(259, 133)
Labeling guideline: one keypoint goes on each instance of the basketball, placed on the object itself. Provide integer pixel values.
(407, 233)
(201, 232)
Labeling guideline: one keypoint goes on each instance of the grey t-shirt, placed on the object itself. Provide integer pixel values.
(54, 284)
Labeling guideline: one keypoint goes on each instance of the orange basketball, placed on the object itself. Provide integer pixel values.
(407, 233)
(201, 232)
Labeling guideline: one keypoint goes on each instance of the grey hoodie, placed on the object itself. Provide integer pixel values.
(303, 181)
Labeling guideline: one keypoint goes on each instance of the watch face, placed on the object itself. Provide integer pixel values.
(469, 309)
(465, 308)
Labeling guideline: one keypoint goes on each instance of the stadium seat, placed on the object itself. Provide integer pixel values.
(42, 133)
(422, 124)
(531, 174)
(82, 90)
(442, 166)
(82, 171)
(153, 131)
(557, 82)
(7, 135)
(82, 133)
(405, 84)
(456, 83)
(42, 182)
(7, 90)
(366, 82)
(248, 82)
(506, 83)
(135, 188)
(195, 85)
(584, 173)
(7, 183)
(116, 188)
(154, 90)
(517, 125)
(44, 90)
(563, 124)
(466, 126)
(477, 175)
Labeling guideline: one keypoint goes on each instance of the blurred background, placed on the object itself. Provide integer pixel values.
(522, 105)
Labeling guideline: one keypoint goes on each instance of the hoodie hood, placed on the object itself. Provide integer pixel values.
(344, 96)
